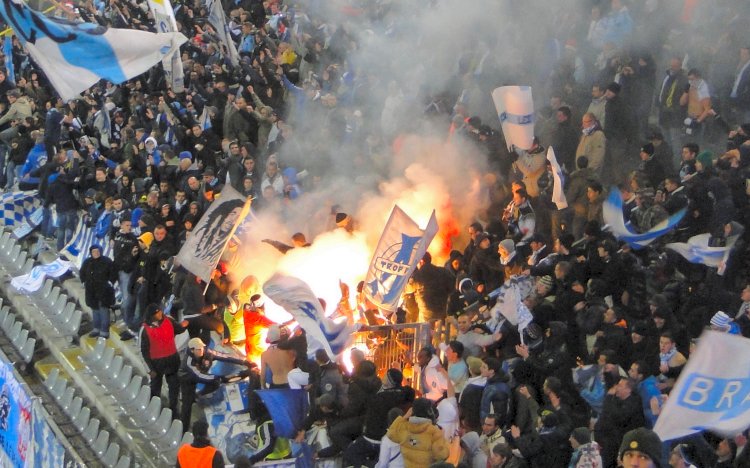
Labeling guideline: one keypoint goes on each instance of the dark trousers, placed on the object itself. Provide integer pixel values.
(188, 393)
(342, 434)
(166, 369)
(361, 452)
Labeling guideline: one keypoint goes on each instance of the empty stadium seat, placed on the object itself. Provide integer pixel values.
(52, 377)
(74, 408)
(81, 420)
(161, 425)
(123, 462)
(92, 431)
(149, 416)
(122, 380)
(110, 457)
(100, 445)
(130, 392)
(27, 350)
(140, 403)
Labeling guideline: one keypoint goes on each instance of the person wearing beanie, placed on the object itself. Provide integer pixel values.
(704, 161)
(365, 449)
(422, 442)
(159, 351)
(98, 274)
(585, 450)
(344, 221)
(641, 443)
(650, 166)
(723, 323)
(199, 453)
(512, 263)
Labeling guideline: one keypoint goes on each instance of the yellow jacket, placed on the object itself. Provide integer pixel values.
(422, 443)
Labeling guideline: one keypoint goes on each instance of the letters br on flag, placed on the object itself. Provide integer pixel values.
(515, 109)
(401, 247)
(713, 391)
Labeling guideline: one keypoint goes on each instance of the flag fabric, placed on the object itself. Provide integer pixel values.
(33, 281)
(166, 23)
(219, 21)
(77, 250)
(713, 390)
(515, 109)
(287, 408)
(74, 56)
(614, 218)
(16, 207)
(697, 250)
(103, 123)
(296, 297)
(510, 305)
(9, 67)
(202, 250)
(401, 246)
(558, 189)
(204, 120)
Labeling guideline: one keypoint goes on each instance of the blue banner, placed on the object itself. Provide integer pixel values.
(10, 69)
(48, 451)
(15, 419)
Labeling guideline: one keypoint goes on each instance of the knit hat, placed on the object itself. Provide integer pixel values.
(645, 441)
(648, 148)
(326, 400)
(706, 159)
(147, 238)
(640, 328)
(582, 435)
(480, 237)
(508, 245)
(474, 364)
(274, 334)
(614, 87)
(152, 309)
(720, 320)
(547, 281)
(395, 377)
(566, 240)
(185, 155)
(90, 193)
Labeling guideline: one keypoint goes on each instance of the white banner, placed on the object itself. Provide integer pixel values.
(558, 178)
(202, 250)
(402, 245)
(515, 109)
(33, 281)
(296, 297)
(713, 390)
(165, 22)
(219, 21)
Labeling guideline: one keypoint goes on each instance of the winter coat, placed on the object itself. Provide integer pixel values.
(547, 449)
(376, 419)
(593, 146)
(361, 392)
(19, 110)
(471, 400)
(496, 399)
(422, 443)
(432, 285)
(97, 276)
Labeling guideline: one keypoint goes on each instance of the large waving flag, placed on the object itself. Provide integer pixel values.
(697, 250)
(402, 245)
(219, 21)
(510, 305)
(74, 56)
(558, 189)
(713, 390)
(296, 297)
(202, 250)
(166, 23)
(515, 109)
(613, 216)
(287, 408)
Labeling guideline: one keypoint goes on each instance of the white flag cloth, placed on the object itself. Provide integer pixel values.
(219, 21)
(697, 250)
(558, 190)
(402, 245)
(713, 390)
(515, 109)
(33, 281)
(203, 248)
(166, 23)
(74, 56)
(510, 297)
(296, 297)
(614, 218)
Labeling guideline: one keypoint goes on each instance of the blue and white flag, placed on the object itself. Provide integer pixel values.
(84, 237)
(713, 390)
(510, 305)
(296, 297)
(204, 120)
(74, 56)
(558, 189)
(34, 280)
(219, 21)
(697, 250)
(287, 408)
(402, 245)
(515, 109)
(165, 23)
(16, 207)
(9, 67)
(614, 218)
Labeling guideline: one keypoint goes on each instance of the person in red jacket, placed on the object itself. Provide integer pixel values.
(199, 454)
(160, 352)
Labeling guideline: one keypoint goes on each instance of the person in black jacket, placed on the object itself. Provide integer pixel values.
(60, 193)
(126, 251)
(622, 411)
(98, 273)
(432, 286)
(365, 450)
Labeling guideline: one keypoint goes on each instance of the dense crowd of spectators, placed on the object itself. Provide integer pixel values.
(612, 326)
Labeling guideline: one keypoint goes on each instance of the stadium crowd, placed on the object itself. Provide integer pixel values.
(612, 327)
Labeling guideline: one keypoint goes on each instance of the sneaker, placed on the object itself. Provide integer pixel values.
(127, 335)
(94, 333)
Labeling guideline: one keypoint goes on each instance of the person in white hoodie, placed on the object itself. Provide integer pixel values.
(390, 451)
(434, 382)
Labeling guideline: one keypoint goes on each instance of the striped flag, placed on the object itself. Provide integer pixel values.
(515, 109)
(613, 217)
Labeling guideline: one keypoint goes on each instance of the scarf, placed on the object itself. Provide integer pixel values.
(666, 357)
(589, 130)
